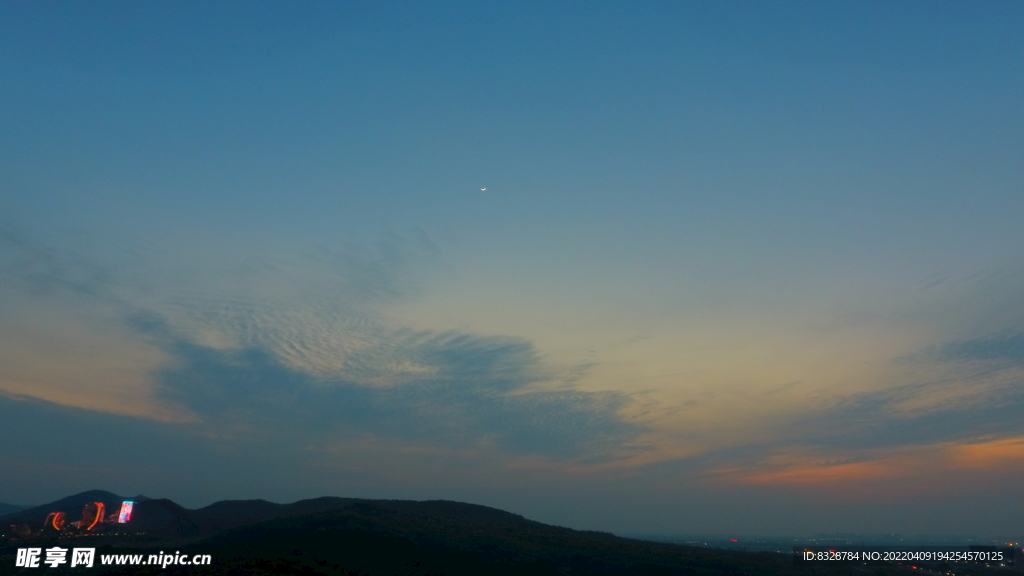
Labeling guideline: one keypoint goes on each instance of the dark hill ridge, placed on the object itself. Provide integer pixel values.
(163, 514)
(229, 513)
(165, 518)
(72, 506)
(226, 514)
(11, 508)
(333, 536)
(437, 527)
(353, 536)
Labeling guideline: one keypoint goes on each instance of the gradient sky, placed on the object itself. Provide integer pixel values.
(739, 267)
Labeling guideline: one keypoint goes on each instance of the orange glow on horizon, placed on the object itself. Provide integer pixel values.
(988, 455)
(909, 463)
(822, 474)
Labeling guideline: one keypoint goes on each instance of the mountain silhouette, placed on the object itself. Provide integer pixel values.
(11, 508)
(162, 517)
(72, 506)
(349, 536)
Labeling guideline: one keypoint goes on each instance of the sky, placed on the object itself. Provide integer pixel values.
(660, 267)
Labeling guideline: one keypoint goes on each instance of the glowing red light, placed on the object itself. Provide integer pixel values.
(92, 515)
(56, 519)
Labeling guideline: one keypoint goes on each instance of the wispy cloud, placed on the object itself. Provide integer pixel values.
(302, 347)
(462, 390)
(950, 412)
(1006, 349)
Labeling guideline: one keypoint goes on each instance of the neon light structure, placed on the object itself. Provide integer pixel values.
(92, 514)
(56, 520)
(126, 511)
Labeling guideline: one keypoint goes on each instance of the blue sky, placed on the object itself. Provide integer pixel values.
(738, 267)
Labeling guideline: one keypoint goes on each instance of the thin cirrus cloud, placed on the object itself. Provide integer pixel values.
(247, 349)
(1006, 349)
(926, 432)
(460, 392)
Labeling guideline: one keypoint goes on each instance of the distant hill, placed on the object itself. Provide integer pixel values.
(230, 513)
(164, 518)
(342, 536)
(72, 506)
(10, 508)
(347, 536)
(226, 514)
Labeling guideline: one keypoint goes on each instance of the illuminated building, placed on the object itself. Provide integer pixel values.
(126, 511)
(92, 515)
